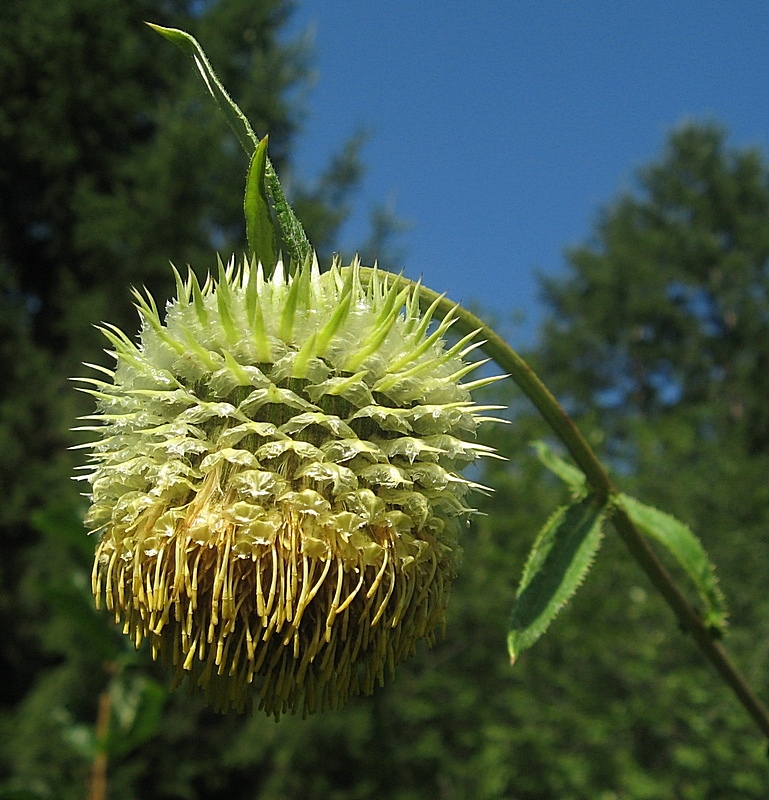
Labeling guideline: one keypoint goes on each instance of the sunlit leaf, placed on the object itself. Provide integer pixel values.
(574, 478)
(686, 548)
(235, 117)
(295, 241)
(256, 205)
(558, 562)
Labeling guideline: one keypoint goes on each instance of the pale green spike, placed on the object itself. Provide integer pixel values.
(498, 420)
(380, 288)
(304, 276)
(455, 377)
(302, 360)
(427, 318)
(392, 377)
(93, 382)
(122, 344)
(373, 285)
(259, 334)
(278, 277)
(314, 272)
(424, 346)
(478, 409)
(115, 334)
(145, 311)
(94, 393)
(206, 356)
(373, 342)
(182, 289)
(457, 351)
(473, 385)
(392, 307)
(462, 355)
(413, 315)
(224, 305)
(343, 385)
(197, 299)
(147, 307)
(230, 269)
(254, 313)
(99, 368)
(250, 293)
(160, 329)
(208, 286)
(241, 376)
(393, 300)
(289, 309)
(350, 279)
(338, 318)
(133, 360)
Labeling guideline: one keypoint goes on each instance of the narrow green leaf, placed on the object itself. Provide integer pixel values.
(235, 117)
(256, 206)
(568, 473)
(294, 238)
(686, 548)
(558, 562)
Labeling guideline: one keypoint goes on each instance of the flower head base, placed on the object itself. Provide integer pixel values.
(277, 482)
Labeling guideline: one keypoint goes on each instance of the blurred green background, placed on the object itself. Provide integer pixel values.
(656, 338)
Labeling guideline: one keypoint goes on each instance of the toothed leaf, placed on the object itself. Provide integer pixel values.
(558, 562)
(686, 548)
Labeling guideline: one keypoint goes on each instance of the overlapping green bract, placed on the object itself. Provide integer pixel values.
(277, 480)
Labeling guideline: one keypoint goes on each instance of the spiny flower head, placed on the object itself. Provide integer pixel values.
(277, 481)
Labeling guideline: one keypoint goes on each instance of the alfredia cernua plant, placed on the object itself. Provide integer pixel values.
(277, 478)
(276, 481)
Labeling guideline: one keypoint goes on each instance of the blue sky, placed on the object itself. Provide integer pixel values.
(499, 129)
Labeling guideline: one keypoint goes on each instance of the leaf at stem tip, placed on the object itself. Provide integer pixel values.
(686, 548)
(260, 228)
(294, 239)
(235, 117)
(557, 564)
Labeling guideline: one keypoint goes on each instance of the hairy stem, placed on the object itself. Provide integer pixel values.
(602, 485)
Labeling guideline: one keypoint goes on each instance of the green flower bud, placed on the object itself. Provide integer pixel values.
(277, 482)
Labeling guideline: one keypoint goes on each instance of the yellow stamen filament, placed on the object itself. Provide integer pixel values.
(204, 610)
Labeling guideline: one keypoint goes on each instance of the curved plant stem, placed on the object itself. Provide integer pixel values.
(602, 485)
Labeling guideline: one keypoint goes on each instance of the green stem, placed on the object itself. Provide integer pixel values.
(602, 485)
